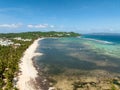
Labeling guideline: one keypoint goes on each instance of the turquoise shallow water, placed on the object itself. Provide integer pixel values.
(85, 54)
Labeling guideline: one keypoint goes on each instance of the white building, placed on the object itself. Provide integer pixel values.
(6, 42)
(19, 38)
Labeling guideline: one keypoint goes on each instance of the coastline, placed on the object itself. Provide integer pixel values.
(27, 80)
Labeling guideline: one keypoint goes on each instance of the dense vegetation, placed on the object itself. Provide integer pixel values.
(34, 35)
(10, 56)
(9, 59)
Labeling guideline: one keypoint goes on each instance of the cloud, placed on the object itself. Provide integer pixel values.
(10, 25)
(52, 26)
(40, 26)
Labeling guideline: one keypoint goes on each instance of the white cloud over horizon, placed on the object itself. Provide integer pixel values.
(20, 27)
(40, 26)
(10, 25)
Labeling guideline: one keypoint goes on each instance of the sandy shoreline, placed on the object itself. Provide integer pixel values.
(27, 79)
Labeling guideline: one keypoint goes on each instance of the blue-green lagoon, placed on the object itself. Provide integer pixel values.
(79, 63)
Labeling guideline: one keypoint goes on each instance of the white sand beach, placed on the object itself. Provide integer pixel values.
(27, 78)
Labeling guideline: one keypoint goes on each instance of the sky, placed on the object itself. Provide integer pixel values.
(82, 16)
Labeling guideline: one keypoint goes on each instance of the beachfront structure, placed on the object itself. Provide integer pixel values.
(19, 38)
(6, 42)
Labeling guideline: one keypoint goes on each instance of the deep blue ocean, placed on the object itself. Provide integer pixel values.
(84, 54)
(109, 38)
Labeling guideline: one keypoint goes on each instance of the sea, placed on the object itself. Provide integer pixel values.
(87, 55)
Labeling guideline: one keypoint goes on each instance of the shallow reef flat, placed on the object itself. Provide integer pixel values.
(80, 64)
